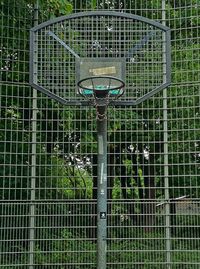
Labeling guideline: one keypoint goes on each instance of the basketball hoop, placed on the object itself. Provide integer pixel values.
(136, 51)
(100, 91)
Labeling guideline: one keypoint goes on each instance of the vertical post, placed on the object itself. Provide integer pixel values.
(102, 191)
(33, 159)
(166, 161)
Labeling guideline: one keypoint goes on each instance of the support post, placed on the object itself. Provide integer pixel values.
(166, 161)
(102, 191)
(33, 164)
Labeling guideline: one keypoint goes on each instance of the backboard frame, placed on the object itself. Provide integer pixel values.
(74, 102)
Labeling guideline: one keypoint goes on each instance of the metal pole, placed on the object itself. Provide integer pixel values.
(102, 191)
(33, 163)
(166, 161)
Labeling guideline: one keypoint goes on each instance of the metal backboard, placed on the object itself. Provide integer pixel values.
(133, 47)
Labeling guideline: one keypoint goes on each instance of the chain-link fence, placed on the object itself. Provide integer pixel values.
(48, 175)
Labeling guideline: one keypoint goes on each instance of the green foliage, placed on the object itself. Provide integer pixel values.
(70, 180)
(14, 148)
(67, 250)
(94, 4)
(56, 8)
(148, 249)
(190, 70)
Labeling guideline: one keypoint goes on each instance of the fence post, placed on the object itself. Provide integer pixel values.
(33, 164)
(166, 161)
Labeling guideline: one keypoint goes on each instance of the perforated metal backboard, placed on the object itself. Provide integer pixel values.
(130, 47)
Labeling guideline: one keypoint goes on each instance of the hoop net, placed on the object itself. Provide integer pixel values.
(100, 92)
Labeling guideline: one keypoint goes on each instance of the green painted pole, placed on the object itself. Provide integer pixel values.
(102, 189)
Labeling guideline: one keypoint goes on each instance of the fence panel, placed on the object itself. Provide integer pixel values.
(48, 175)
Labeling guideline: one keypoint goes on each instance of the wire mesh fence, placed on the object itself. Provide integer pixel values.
(48, 185)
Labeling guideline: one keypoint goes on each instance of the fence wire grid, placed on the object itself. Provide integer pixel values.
(48, 175)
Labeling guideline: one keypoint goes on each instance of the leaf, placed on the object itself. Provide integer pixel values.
(65, 7)
(93, 4)
(69, 8)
